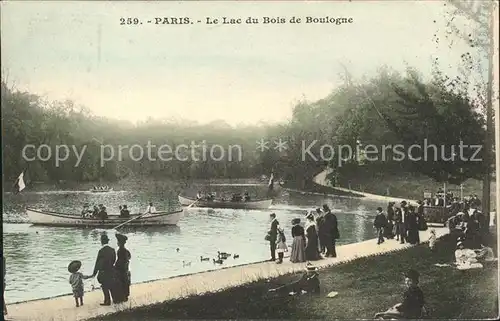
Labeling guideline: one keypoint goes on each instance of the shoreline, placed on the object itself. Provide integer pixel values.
(163, 290)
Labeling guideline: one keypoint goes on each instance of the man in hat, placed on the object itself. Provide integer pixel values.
(308, 283)
(331, 231)
(273, 235)
(104, 269)
(380, 223)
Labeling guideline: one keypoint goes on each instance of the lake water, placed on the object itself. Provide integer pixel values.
(37, 257)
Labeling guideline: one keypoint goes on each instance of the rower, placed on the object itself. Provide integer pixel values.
(247, 197)
(199, 196)
(103, 214)
(86, 210)
(124, 212)
(150, 209)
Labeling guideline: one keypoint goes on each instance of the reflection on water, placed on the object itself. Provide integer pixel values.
(37, 257)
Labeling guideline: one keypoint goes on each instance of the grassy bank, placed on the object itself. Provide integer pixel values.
(365, 286)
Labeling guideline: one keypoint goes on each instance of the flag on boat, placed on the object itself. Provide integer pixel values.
(19, 185)
(271, 181)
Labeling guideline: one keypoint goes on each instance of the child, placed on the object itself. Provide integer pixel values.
(76, 280)
(432, 239)
(281, 245)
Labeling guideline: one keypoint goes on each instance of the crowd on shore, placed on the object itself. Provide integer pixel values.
(311, 243)
(402, 222)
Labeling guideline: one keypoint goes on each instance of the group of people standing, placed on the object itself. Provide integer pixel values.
(311, 243)
(112, 270)
(403, 222)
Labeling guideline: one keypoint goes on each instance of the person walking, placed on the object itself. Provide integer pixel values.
(380, 223)
(104, 269)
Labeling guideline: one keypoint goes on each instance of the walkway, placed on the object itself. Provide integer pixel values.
(320, 179)
(149, 293)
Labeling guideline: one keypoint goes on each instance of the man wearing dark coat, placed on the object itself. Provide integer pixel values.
(104, 269)
(273, 236)
(331, 231)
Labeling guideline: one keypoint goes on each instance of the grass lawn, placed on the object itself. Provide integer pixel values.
(365, 286)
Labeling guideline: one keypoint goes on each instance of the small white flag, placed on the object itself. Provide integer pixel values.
(20, 183)
(271, 180)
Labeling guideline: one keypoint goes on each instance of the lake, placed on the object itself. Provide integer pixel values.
(37, 257)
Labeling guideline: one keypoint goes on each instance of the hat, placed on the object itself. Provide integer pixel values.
(412, 274)
(310, 215)
(296, 221)
(104, 237)
(125, 206)
(403, 202)
(460, 243)
(311, 268)
(272, 214)
(379, 209)
(318, 210)
(325, 207)
(121, 238)
(74, 266)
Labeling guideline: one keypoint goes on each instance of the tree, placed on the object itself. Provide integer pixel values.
(481, 13)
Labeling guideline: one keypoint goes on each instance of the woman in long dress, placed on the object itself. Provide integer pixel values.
(299, 242)
(312, 249)
(412, 226)
(122, 270)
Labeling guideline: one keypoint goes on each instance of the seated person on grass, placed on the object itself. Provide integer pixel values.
(412, 306)
(468, 259)
(308, 283)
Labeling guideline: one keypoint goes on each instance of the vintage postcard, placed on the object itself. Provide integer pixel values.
(167, 160)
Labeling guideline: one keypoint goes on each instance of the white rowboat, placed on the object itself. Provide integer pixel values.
(47, 218)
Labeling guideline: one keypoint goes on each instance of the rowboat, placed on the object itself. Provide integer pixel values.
(47, 218)
(249, 205)
(101, 190)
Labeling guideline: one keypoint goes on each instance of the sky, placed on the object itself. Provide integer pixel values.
(239, 73)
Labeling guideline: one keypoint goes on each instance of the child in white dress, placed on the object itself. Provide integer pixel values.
(281, 247)
(432, 239)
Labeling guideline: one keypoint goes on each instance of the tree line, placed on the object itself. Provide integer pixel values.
(390, 108)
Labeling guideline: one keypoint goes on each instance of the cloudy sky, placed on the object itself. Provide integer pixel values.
(242, 74)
